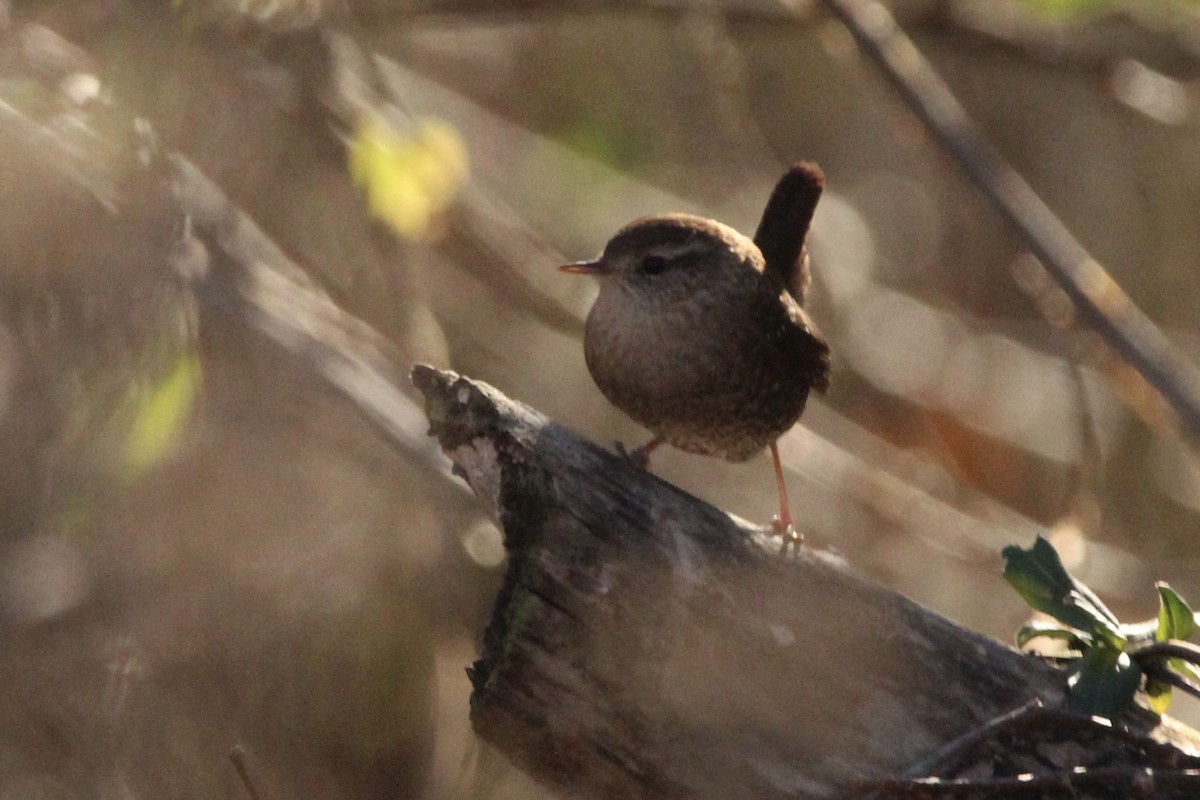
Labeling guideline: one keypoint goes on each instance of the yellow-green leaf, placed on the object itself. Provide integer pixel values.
(160, 412)
(1158, 696)
(409, 178)
(1175, 617)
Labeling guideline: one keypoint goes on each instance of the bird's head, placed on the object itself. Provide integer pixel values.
(667, 258)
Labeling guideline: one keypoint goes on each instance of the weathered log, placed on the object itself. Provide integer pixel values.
(648, 645)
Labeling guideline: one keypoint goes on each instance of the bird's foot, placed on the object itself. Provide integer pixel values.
(638, 456)
(792, 539)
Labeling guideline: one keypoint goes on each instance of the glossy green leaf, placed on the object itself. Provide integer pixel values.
(1103, 683)
(1039, 576)
(1175, 617)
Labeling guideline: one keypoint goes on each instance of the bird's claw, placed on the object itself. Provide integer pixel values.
(791, 538)
(638, 456)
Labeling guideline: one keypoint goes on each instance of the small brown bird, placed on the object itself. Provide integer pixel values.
(700, 333)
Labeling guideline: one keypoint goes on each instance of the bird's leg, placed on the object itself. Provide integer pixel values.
(639, 456)
(783, 523)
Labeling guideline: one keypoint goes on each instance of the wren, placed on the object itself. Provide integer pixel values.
(700, 334)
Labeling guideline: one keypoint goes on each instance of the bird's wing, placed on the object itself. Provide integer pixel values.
(808, 345)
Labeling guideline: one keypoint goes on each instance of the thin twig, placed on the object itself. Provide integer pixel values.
(965, 744)
(1184, 651)
(1135, 780)
(1150, 655)
(1177, 681)
(237, 755)
(1096, 296)
(1035, 718)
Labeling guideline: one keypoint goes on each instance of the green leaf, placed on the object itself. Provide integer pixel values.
(1175, 617)
(1039, 576)
(1103, 683)
(1159, 695)
(1049, 630)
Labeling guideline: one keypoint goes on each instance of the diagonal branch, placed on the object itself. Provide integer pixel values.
(1099, 299)
(648, 645)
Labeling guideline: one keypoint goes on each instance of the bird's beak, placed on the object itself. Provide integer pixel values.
(597, 267)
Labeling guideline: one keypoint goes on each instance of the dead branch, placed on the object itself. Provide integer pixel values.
(646, 644)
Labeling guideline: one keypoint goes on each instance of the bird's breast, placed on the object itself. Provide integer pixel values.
(710, 375)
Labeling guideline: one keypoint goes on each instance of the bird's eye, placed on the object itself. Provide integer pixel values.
(653, 265)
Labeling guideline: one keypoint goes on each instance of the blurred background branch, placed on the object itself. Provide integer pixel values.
(1100, 300)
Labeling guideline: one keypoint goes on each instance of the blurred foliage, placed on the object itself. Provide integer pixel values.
(1069, 9)
(409, 178)
(236, 572)
(161, 411)
(1108, 662)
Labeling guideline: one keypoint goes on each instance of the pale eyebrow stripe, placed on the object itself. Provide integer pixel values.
(672, 251)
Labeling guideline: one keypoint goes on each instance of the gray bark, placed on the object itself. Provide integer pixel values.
(646, 644)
